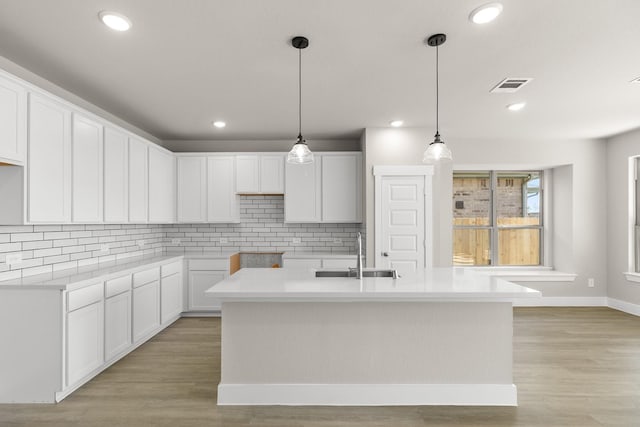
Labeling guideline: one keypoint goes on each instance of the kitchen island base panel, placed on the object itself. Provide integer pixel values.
(367, 353)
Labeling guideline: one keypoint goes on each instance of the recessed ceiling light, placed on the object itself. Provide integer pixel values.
(485, 13)
(219, 124)
(516, 106)
(396, 123)
(115, 21)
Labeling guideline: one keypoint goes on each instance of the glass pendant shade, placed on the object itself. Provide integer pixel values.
(437, 151)
(300, 153)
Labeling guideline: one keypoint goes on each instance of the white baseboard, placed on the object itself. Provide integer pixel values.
(561, 302)
(368, 394)
(627, 307)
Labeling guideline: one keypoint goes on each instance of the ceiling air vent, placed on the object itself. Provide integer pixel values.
(636, 80)
(510, 85)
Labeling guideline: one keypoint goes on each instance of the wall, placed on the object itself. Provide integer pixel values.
(578, 219)
(262, 228)
(619, 149)
(49, 248)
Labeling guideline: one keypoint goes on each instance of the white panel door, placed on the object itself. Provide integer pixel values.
(117, 325)
(272, 174)
(403, 224)
(302, 197)
(170, 297)
(116, 176)
(146, 310)
(199, 282)
(49, 192)
(85, 341)
(341, 188)
(162, 173)
(87, 162)
(247, 174)
(138, 184)
(192, 189)
(13, 124)
(223, 204)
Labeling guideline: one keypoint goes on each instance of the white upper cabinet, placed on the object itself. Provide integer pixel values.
(302, 197)
(138, 184)
(341, 187)
(272, 174)
(87, 163)
(116, 176)
(192, 189)
(222, 202)
(49, 161)
(260, 173)
(13, 122)
(162, 173)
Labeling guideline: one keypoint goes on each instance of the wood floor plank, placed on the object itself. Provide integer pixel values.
(572, 366)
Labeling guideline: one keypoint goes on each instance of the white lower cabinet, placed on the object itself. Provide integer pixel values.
(302, 263)
(203, 274)
(85, 341)
(117, 325)
(171, 297)
(146, 309)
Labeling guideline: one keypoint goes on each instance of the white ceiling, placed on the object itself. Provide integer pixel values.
(185, 63)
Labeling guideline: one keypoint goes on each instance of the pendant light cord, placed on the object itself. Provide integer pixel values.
(437, 94)
(300, 94)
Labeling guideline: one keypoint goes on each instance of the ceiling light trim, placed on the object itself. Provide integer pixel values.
(486, 13)
(115, 21)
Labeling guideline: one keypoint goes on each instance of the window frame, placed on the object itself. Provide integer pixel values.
(493, 226)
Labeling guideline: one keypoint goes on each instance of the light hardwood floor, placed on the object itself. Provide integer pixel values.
(572, 366)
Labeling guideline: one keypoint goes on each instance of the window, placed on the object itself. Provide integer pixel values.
(497, 218)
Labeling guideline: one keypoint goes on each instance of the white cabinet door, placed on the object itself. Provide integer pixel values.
(302, 263)
(85, 341)
(171, 297)
(341, 188)
(117, 325)
(87, 161)
(247, 174)
(116, 176)
(49, 191)
(138, 184)
(162, 175)
(272, 174)
(146, 310)
(199, 282)
(339, 262)
(13, 121)
(192, 189)
(223, 203)
(302, 198)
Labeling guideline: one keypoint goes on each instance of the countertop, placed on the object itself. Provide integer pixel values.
(75, 278)
(324, 255)
(439, 284)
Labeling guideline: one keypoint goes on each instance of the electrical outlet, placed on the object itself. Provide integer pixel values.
(175, 241)
(104, 248)
(12, 259)
(337, 240)
(141, 243)
(224, 240)
(296, 240)
(591, 282)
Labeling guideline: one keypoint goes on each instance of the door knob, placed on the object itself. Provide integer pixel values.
(385, 253)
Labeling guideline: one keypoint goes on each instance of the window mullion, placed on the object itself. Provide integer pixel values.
(494, 220)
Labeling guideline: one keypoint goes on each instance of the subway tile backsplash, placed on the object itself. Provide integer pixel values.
(49, 248)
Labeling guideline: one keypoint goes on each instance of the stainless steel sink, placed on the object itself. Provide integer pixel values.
(352, 273)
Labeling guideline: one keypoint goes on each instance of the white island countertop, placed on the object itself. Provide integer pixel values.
(438, 284)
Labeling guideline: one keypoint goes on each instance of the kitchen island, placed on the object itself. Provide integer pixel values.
(441, 337)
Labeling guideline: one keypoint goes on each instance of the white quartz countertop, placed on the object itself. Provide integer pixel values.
(324, 255)
(75, 278)
(204, 255)
(439, 284)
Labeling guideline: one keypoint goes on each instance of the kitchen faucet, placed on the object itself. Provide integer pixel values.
(359, 259)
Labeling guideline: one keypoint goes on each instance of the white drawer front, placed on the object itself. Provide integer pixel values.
(117, 286)
(209, 264)
(146, 276)
(85, 296)
(173, 268)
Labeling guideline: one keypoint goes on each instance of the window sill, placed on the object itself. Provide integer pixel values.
(632, 276)
(540, 274)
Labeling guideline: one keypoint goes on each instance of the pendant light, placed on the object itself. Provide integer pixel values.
(300, 153)
(437, 151)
